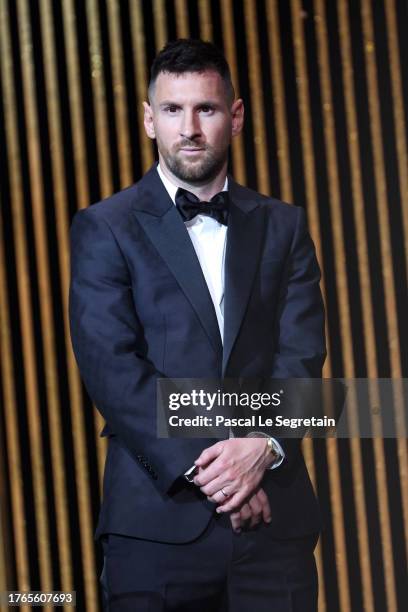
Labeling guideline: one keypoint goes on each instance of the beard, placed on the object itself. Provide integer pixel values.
(198, 171)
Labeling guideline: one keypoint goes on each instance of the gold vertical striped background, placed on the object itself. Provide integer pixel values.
(326, 128)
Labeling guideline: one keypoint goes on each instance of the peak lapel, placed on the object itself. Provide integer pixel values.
(162, 223)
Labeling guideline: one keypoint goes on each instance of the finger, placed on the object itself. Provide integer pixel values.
(235, 501)
(215, 485)
(209, 454)
(236, 521)
(245, 513)
(256, 510)
(219, 497)
(213, 470)
(266, 508)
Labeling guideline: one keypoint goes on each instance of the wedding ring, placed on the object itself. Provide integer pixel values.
(224, 493)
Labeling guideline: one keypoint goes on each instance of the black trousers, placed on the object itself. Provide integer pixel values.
(221, 571)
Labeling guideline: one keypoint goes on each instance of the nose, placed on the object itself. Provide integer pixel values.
(190, 127)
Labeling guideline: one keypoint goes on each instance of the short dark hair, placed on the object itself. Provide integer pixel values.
(191, 55)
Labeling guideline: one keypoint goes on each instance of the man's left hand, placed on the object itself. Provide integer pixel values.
(252, 512)
(231, 470)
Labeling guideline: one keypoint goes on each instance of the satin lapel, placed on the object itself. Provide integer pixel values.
(162, 223)
(244, 243)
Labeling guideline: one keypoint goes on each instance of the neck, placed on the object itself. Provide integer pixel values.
(203, 191)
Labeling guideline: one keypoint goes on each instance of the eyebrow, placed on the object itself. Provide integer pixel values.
(202, 103)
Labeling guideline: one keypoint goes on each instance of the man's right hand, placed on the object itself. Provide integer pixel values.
(255, 510)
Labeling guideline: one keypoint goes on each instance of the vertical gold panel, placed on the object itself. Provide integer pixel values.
(307, 144)
(307, 449)
(9, 395)
(314, 221)
(341, 285)
(73, 379)
(83, 196)
(160, 24)
(119, 95)
(402, 160)
(345, 299)
(342, 289)
(255, 84)
(54, 413)
(381, 189)
(400, 119)
(389, 288)
(357, 188)
(98, 90)
(7, 366)
(364, 281)
(75, 103)
(278, 85)
(141, 80)
(5, 547)
(182, 26)
(306, 127)
(30, 369)
(231, 56)
(204, 9)
(334, 190)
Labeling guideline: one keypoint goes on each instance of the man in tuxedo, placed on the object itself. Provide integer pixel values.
(187, 274)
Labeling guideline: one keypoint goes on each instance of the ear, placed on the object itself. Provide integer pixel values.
(148, 120)
(237, 113)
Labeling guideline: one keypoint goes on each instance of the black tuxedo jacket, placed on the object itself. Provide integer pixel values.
(140, 310)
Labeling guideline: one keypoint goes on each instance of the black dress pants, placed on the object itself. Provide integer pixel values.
(220, 571)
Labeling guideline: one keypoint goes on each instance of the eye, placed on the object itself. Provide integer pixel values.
(171, 109)
(206, 109)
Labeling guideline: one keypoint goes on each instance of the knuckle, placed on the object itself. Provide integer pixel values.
(245, 490)
(223, 463)
(229, 474)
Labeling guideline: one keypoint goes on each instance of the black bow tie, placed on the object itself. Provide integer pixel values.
(189, 206)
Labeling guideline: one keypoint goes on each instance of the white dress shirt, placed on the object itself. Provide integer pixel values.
(209, 238)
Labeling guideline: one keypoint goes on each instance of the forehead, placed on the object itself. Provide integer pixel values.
(189, 86)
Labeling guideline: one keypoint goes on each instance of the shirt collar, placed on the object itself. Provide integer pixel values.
(172, 189)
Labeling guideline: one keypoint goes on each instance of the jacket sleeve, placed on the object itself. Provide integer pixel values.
(300, 321)
(108, 342)
(300, 348)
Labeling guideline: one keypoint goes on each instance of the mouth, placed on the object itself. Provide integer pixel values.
(191, 150)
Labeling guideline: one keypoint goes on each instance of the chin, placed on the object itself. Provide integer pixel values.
(195, 171)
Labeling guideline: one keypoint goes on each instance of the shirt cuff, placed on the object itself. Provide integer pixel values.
(190, 473)
(280, 450)
(277, 447)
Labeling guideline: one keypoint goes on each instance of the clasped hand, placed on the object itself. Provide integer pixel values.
(230, 472)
